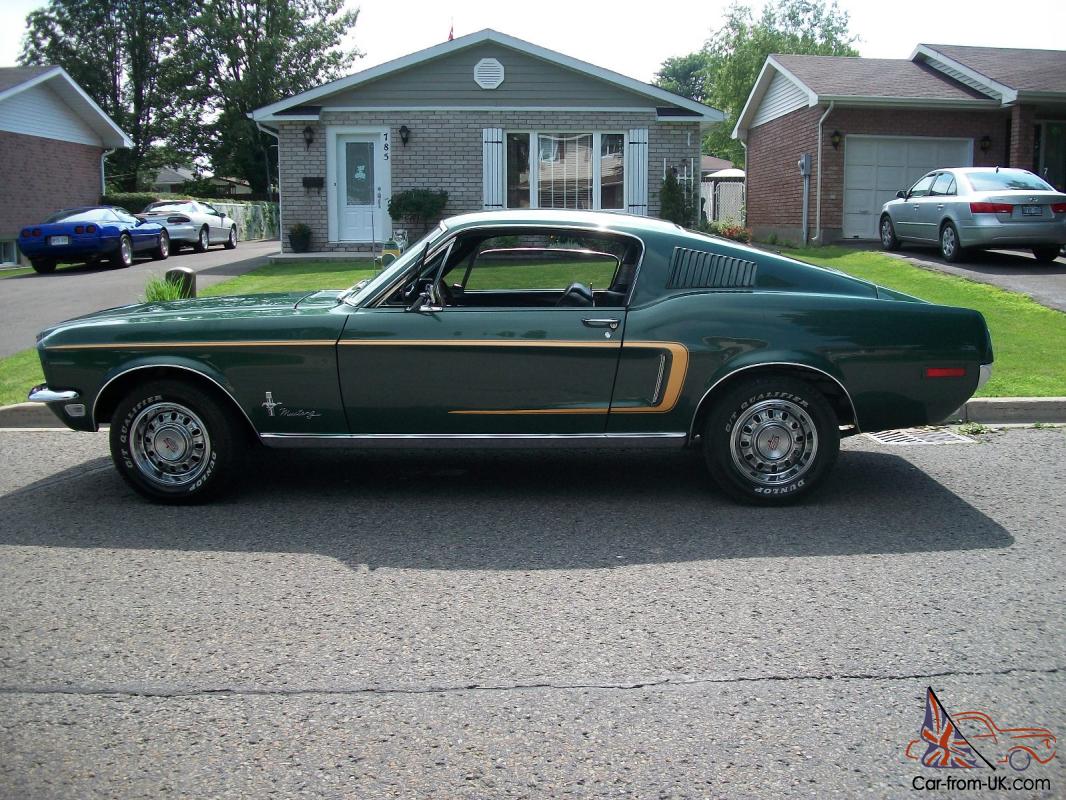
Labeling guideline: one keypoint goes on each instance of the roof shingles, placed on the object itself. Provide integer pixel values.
(889, 78)
(1022, 70)
(13, 76)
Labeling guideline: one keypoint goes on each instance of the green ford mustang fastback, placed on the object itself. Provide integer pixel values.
(520, 329)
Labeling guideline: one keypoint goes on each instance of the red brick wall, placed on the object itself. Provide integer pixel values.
(40, 176)
(774, 197)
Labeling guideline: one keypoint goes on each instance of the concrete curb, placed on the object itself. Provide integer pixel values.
(987, 410)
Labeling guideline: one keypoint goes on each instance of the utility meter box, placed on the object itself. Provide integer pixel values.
(804, 165)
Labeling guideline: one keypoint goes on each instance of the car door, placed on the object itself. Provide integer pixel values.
(143, 235)
(930, 209)
(907, 219)
(214, 222)
(494, 349)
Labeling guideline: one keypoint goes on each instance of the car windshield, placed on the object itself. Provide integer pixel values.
(366, 288)
(998, 181)
(76, 215)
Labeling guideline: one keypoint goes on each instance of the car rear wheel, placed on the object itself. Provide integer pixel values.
(1019, 759)
(123, 255)
(162, 248)
(771, 440)
(888, 234)
(174, 443)
(43, 266)
(231, 242)
(1045, 255)
(950, 249)
(203, 240)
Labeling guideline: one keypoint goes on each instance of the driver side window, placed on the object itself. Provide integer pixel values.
(921, 188)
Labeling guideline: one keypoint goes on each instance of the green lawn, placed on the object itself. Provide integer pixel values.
(14, 273)
(1029, 339)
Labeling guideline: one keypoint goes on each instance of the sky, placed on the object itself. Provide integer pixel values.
(608, 35)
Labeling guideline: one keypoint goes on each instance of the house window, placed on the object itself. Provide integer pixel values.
(562, 170)
(8, 252)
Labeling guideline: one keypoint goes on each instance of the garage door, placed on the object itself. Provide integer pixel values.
(876, 167)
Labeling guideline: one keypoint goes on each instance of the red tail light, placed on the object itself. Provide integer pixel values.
(1058, 208)
(991, 208)
(90, 229)
(945, 372)
(25, 233)
(79, 229)
(36, 231)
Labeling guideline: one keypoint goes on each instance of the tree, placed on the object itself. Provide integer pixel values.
(737, 50)
(686, 76)
(118, 52)
(239, 55)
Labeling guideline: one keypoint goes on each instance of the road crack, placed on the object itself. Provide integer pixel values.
(192, 692)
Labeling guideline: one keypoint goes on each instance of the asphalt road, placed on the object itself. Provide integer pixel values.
(1014, 270)
(567, 625)
(30, 303)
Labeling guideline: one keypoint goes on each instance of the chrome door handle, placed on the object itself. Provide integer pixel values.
(601, 323)
(940, 207)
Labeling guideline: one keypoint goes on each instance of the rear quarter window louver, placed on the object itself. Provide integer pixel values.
(698, 269)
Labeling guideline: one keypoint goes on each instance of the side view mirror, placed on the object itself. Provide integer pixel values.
(424, 304)
(902, 195)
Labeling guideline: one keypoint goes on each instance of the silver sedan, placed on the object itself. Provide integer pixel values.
(192, 222)
(979, 207)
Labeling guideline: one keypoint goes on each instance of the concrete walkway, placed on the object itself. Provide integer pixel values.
(30, 303)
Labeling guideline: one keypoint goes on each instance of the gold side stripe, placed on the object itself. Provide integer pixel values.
(195, 345)
(475, 343)
(599, 410)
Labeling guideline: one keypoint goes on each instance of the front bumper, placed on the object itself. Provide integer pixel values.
(64, 403)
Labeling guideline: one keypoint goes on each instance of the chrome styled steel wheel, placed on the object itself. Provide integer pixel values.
(170, 445)
(177, 441)
(774, 442)
(949, 243)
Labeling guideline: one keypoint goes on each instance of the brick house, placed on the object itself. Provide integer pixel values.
(873, 126)
(53, 139)
(495, 121)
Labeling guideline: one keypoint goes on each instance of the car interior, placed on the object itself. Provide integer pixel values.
(525, 269)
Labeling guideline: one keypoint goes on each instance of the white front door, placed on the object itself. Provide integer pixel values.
(362, 187)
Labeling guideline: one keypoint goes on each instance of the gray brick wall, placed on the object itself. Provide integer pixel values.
(445, 152)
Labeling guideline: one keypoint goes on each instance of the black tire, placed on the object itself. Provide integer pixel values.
(231, 241)
(1045, 255)
(203, 240)
(770, 407)
(950, 248)
(888, 234)
(162, 247)
(123, 255)
(204, 435)
(43, 266)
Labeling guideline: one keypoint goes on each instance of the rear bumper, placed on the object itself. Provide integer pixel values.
(986, 373)
(78, 248)
(994, 233)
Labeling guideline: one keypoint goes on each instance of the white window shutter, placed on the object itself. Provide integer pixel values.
(637, 172)
(492, 154)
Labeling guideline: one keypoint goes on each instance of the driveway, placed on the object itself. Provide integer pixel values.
(1014, 270)
(474, 625)
(29, 303)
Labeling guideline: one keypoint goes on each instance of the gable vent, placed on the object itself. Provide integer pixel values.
(488, 73)
(698, 269)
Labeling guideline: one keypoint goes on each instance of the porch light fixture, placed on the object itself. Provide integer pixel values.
(405, 134)
(985, 144)
(309, 136)
(836, 139)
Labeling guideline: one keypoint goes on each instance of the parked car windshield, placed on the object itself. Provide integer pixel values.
(358, 293)
(997, 181)
(78, 215)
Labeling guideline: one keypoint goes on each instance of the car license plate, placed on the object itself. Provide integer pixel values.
(1032, 211)
(59, 240)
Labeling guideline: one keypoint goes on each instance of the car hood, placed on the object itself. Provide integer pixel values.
(195, 310)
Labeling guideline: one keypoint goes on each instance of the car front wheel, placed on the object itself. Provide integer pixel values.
(174, 443)
(950, 249)
(1045, 255)
(888, 234)
(771, 440)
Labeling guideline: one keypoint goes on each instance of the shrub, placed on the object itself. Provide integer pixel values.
(420, 206)
(300, 237)
(676, 204)
(160, 290)
(727, 230)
